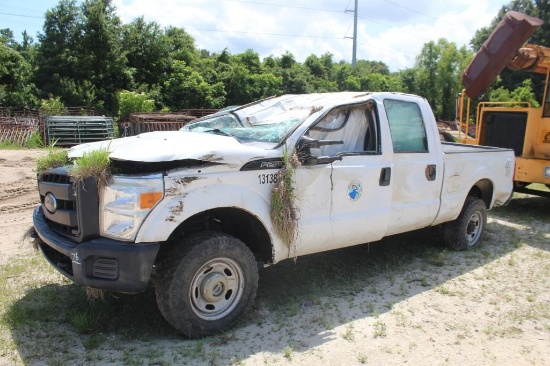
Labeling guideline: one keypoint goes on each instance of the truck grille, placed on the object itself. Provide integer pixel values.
(70, 208)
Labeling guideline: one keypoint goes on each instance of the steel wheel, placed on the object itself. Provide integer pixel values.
(474, 227)
(206, 284)
(216, 288)
(464, 232)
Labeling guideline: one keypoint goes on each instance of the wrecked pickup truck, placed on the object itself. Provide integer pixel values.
(194, 211)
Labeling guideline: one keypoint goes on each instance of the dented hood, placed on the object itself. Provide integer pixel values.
(174, 145)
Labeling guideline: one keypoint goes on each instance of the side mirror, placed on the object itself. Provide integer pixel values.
(308, 142)
(304, 146)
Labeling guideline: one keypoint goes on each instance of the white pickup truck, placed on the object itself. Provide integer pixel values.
(191, 211)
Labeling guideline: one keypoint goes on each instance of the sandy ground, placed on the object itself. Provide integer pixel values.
(18, 196)
(487, 307)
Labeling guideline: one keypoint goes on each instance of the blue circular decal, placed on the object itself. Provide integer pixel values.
(354, 190)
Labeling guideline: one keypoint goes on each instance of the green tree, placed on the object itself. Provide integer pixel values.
(186, 88)
(523, 93)
(297, 80)
(16, 88)
(363, 67)
(147, 52)
(426, 72)
(132, 102)
(244, 77)
(379, 82)
(181, 46)
(101, 52)
(58, 53)
(80, 56)
(53, 106)
(437, 76)
(408, 80)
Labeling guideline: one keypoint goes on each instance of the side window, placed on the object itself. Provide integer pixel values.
(355, 126)
(407, 128)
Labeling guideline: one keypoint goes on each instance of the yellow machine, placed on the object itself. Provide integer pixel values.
(512, 125)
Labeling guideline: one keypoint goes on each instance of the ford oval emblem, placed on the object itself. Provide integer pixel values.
(50, 202)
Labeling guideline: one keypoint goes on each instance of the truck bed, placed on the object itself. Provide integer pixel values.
(455, 148)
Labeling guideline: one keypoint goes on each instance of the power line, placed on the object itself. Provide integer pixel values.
(262, 33)
(23, 16)
(392, 27)
(285, 6)
(409, 9)
(20, 8)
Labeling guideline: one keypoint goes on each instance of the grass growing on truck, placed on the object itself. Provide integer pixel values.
(54, 159)
(92, 164)
(283, 209)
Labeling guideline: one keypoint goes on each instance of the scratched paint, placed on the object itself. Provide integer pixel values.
(175, 211)
(211, 157)
(186, 180)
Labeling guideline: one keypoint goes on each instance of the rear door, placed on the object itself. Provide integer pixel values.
(417, 165)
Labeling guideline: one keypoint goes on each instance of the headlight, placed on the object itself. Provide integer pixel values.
(125, 204)
(547, 172)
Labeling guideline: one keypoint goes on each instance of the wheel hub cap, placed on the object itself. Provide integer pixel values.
(216, 288)
(213, 287)
(473, 229)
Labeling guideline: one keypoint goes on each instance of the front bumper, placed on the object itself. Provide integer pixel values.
(99, 263)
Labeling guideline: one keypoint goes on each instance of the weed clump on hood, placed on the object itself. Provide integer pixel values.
(92, 164)
(55, 159)
(283, 209)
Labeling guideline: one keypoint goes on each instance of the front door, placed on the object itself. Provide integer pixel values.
(348, 199)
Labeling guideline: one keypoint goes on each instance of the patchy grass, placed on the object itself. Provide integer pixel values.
(9, 145)
(34, 141)
(54, 159)
(407, 294)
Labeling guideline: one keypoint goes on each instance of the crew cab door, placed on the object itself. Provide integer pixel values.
(356, 177)
(417, 165)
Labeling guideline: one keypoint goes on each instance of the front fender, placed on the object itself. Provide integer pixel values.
(195, 197)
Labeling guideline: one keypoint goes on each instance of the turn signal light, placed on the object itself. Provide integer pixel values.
(149, 199)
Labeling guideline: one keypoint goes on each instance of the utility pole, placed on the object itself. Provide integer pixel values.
(354, 55)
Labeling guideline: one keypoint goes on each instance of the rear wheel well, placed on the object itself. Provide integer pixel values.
(229, 220)
(483, 189)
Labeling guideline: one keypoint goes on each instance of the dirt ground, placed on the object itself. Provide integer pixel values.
(18, 196)
(363, 305)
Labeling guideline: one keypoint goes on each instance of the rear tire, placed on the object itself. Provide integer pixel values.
(464, 232)
(205, 285)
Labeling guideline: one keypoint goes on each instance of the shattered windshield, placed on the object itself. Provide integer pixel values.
(269, 121)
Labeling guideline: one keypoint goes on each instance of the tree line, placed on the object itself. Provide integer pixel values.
(86, 56)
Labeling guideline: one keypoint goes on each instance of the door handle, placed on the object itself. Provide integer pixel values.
(385, 177)
(431, 172)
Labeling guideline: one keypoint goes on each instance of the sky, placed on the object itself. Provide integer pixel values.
(391, 31)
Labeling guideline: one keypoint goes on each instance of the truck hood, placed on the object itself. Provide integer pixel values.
(166, 146)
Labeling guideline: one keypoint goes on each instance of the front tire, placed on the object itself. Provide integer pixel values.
(204, 286)
(464, 232)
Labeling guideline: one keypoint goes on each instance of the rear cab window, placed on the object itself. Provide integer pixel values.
(407, 128)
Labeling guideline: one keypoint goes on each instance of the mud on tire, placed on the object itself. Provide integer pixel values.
(205, 284)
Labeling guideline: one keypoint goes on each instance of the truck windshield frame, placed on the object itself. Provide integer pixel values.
(273, 126)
